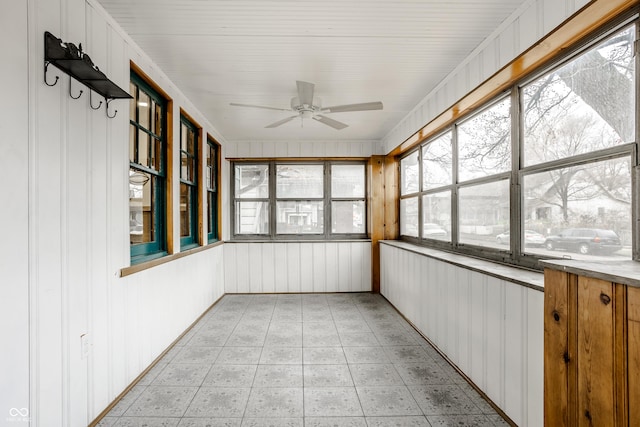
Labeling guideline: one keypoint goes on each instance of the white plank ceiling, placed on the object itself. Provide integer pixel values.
(253, 51)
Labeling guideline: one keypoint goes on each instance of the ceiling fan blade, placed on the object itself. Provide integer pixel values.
(305, 92)
(353, 107)
(281, 122)
(330, 122)
(259, 106)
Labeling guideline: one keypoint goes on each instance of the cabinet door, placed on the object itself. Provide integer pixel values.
(596, 347)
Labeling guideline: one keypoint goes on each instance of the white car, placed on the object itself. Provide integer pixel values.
(531, 238)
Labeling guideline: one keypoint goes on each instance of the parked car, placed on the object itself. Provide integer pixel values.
(433, 231)
(531, 238)
(585, 241)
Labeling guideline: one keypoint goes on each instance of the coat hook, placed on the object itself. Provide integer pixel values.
(107, 110)
(91, 101)
(46, 66)
(74, 97)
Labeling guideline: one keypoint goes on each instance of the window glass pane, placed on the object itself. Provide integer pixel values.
(186, 198)
(409, 174)
(211, 211)
(185, 163)
(583, 211)
(156, 155)
(141, 207)
(300, 217)
(484, 142)
(251, 181)
(347, 216)
(143, 110)
(299, 181)
(409, 217)
(484, 211)
(133, 102)
(586, 105)
(436, 216)
(347, 181)
(437, 162)
(251, 217)
(143, 148)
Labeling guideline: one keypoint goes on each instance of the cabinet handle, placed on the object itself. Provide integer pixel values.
(605, 299)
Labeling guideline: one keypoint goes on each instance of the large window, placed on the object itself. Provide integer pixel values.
(147, 171)
(310, 200)
(545, 171)
(189, 143)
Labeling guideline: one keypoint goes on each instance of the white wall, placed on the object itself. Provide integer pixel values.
(492, 329)
(64, 171)
(520, 31)
(297, 267)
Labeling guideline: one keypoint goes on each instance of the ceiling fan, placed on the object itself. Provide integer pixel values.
(305, 107)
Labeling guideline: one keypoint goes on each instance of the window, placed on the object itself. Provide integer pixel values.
(309, 200)
(188, 183)
(147, 171)
(212, 176)
(555, 180)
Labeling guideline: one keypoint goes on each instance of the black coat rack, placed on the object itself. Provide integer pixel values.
(77, 64)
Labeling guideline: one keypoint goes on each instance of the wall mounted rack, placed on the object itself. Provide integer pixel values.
(77, 64)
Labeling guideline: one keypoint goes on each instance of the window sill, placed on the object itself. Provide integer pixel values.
(521, 276)
(298, 240)
(127, 271)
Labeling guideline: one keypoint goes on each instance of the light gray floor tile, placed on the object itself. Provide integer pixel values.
(278, 376)
(497, 420)
(160, 401)
(408, 421)
(213, 338)
(321, 339)
(395, 338)
(230, 376)
(275, 403)
(246, 338)
(419, 373)
(127, 400)
(387, 401)
(187, 374)
(365, 355)
(152, 374)
(279, 336)
(190, 354)
(459, 420)
(146, 422)
(323, 356)
(443, 400)
(107, 421)
(281, 356)
(331, 402)
(352, 326)
(239, 356)
(358, 339)
(335, 422)
(407, 354)
(210, 422)
(273, 422)
(327, 376)
(217, 402)
(478, 400)
(374, 374)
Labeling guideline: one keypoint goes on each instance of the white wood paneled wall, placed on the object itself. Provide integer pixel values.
(65, 166)
(307, 149)
(297, 267)
(520, 31)
(492, 329)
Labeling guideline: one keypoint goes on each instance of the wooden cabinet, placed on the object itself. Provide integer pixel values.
(591, 351)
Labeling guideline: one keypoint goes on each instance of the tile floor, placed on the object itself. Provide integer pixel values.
(302, 360)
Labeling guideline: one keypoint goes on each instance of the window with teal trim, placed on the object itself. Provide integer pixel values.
(188, 184)
(147, 172)
(212, 149)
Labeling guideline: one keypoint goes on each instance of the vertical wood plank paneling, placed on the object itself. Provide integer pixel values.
(478, 333)
(231, 270)
(507, 43)
(495, 340)
(268, 264)
(633, 310)
(344, 267)
(534, 359)
(319, 268)
(253, 264)
(242, 261)
(331, 268)
(464, 355)
(307, 272)
(280, 252)
(553, 14)
(528, 27)
(46, 256)
(294, 268)
(15, 172)
(514, 388)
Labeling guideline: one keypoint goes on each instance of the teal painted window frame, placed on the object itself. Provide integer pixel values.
(191, 240)
(141, 252)
(213, 150)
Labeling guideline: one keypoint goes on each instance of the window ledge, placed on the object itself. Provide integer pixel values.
(521, 276)
(625, 272)
(127, 271)
(298, 240)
